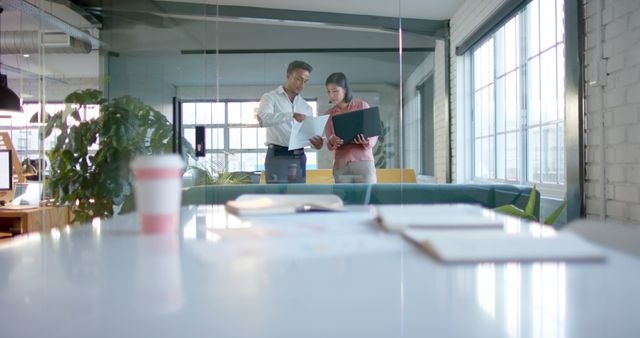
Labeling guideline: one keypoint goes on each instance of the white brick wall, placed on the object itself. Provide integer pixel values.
(440, 121)
(617, 98)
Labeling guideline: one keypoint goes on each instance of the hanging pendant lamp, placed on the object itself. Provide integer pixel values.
(9, 101)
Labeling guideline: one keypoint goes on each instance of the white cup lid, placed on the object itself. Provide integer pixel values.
(169, 161)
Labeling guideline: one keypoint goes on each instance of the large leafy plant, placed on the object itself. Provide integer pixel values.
(99, 184)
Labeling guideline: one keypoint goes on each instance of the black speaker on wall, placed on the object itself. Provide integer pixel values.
(200, 150)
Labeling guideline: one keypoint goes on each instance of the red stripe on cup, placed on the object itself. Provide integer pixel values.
(153, 224)
(150, 174)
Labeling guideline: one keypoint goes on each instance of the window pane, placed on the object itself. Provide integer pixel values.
(491, 110)
(203, 112)
(490, 62)
(533, 155)
(235, 162)
(249, 112)
(218, 113)
(215, 138)
(561, 176)
(477, 69)
(511, 99)
(249, 161)
(478, 158)
(500, 52)
(548, 87)
(500, 157)
(549, 154)
(235, 138)
(560, 20)
(513, 144)
(250, 138)
(533, 29)
(500, 105)
(487, 165)
(486, 125)
(235, 112)
(262, 138)
(511, 44)
(533, 91)
(214, 163)
(189, 113)
(190, 135)
(560, 64)
(477, 112)
(548, 28)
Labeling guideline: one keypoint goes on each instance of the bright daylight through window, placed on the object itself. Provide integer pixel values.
(234, 140)
(518, 99)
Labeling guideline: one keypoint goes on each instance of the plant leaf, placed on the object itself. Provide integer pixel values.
(512, 210)
(556, 213)
(531, 204)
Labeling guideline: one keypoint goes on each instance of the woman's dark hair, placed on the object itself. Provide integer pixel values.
(340, 80)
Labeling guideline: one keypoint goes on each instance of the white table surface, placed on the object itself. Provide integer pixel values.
(304, 275)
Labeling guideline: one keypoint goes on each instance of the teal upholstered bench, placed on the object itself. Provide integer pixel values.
(487, 195)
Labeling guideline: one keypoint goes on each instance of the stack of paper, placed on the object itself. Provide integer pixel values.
(266, 204)
(474, 246)
(398, 217)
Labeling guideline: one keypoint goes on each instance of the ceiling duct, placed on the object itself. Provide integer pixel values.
(27, 42)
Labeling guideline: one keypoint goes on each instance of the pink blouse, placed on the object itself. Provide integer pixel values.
(349, 152)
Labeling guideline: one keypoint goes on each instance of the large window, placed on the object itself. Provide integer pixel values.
(233, 139)
(25, 132)
(518, 99)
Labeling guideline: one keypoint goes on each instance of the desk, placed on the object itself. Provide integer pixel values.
(304, 275)
(18, 221)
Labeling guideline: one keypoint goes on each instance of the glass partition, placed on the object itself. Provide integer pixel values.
(204, 66)
(218, 65)
(44, 60)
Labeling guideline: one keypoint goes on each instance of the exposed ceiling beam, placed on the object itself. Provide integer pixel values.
(432, 28)
(79, 10)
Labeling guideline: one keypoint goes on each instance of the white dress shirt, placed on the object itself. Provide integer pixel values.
(276, 114)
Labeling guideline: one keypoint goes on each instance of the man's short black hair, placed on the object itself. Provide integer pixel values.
(297, 64)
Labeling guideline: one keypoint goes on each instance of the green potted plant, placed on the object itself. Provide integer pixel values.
(528, 212)
(100, 184)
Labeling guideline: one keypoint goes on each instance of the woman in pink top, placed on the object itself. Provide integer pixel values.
(352, 162)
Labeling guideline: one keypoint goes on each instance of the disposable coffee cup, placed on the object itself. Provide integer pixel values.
(292, 172)
(158, 191)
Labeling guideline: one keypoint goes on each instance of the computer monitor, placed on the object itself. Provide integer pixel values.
(6, 170)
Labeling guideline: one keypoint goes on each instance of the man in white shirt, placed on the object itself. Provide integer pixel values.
(278, 109)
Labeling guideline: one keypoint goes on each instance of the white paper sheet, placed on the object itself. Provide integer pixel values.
(301, 132)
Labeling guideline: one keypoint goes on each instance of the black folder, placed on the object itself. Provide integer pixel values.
(347, 126)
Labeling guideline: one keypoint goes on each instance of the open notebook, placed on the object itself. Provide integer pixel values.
(491, 245)
(265, 204)
(448, 216)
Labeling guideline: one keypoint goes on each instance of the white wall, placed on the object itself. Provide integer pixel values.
(612, 124)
